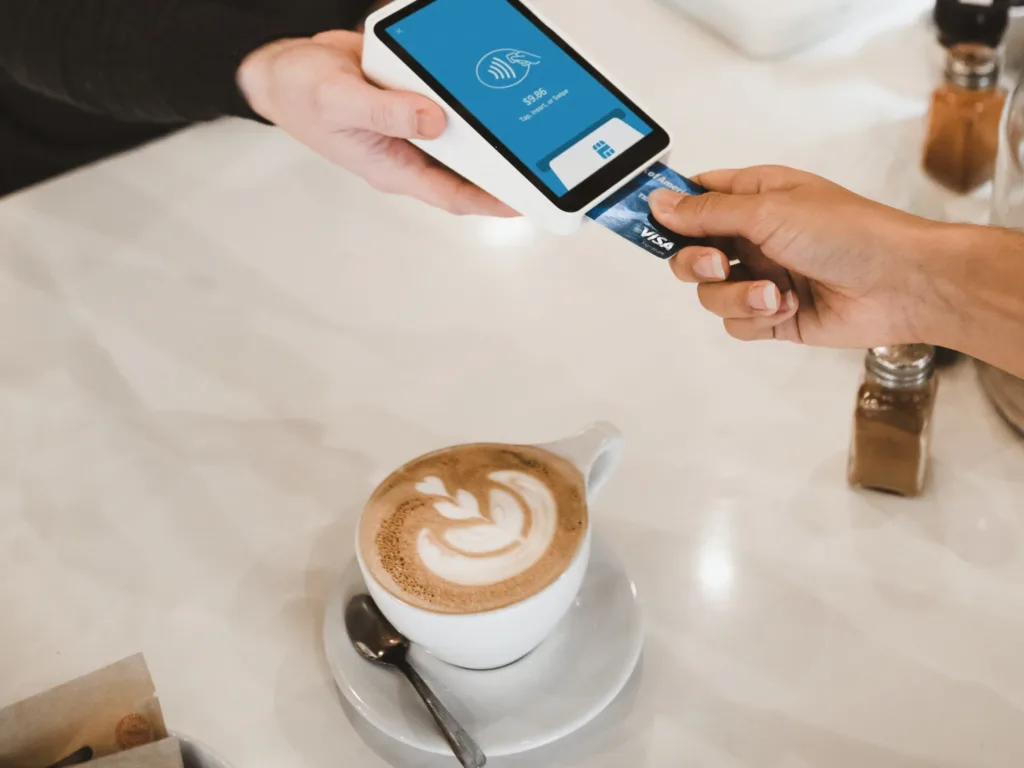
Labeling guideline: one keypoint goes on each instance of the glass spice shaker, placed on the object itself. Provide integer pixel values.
(893, 419)
(963, 123)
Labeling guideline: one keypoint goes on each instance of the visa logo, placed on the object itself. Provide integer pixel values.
(652, 236)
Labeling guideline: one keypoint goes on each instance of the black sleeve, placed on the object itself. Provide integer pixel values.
(157, 61)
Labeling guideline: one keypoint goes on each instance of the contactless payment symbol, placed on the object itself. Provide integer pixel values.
(505, 67)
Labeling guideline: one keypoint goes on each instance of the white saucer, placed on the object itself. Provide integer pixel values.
(554, 691)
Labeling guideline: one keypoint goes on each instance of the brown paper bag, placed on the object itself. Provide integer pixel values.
(160, 754)
(108, 711)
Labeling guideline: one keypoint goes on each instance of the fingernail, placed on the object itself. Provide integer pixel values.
(422, 122)
(790, 300)
(710, 266)
(764, 298)
(430, 122)
(664, 200)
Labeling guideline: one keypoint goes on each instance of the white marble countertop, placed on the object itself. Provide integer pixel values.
(212, 349)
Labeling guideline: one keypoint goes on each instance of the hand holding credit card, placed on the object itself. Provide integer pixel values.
(627, 212)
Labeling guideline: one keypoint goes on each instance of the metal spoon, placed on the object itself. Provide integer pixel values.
(379, 642)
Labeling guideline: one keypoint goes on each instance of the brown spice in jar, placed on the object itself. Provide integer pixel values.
(963, 122)
(892, 424)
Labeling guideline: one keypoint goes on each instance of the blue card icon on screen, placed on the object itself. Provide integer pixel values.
(505, 67)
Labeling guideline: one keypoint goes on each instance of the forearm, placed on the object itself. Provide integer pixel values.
(173, 61)
(977, 304)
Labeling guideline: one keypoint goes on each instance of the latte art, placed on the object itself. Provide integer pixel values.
(474, 527)
(480, 549)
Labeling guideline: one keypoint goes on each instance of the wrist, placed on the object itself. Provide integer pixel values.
(940, 262)
(970, 276)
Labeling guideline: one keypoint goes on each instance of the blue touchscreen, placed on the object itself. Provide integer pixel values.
(547, 110)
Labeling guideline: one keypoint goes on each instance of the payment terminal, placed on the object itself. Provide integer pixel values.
(530, 118)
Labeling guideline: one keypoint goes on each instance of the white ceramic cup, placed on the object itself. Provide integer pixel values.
(491, 639)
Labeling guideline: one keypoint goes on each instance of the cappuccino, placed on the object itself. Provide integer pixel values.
(475, 527)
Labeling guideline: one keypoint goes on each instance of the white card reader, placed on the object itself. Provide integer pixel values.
(530, 120)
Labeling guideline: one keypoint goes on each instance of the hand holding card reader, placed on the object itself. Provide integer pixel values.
(530, 120)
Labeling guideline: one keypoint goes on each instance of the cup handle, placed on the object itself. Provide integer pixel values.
(596, 452)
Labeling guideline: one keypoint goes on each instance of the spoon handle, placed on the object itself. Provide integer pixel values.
(462, 744)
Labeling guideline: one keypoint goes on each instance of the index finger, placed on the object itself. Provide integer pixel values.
(753, 180)
(347, 101)
(717, 181)
(440, 187)
(403, 169)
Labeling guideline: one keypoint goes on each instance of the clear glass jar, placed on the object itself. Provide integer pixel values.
(1005, 391)
(892, 425)
(963, 121)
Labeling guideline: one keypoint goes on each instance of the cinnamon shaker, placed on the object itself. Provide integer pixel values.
(963, 122)
(891, 443)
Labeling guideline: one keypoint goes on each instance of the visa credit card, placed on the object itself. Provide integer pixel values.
(627, 212)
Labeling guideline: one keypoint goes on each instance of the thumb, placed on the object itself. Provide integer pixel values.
(349, 102)
(712, 214)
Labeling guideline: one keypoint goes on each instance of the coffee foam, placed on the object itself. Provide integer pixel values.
(474, 528)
